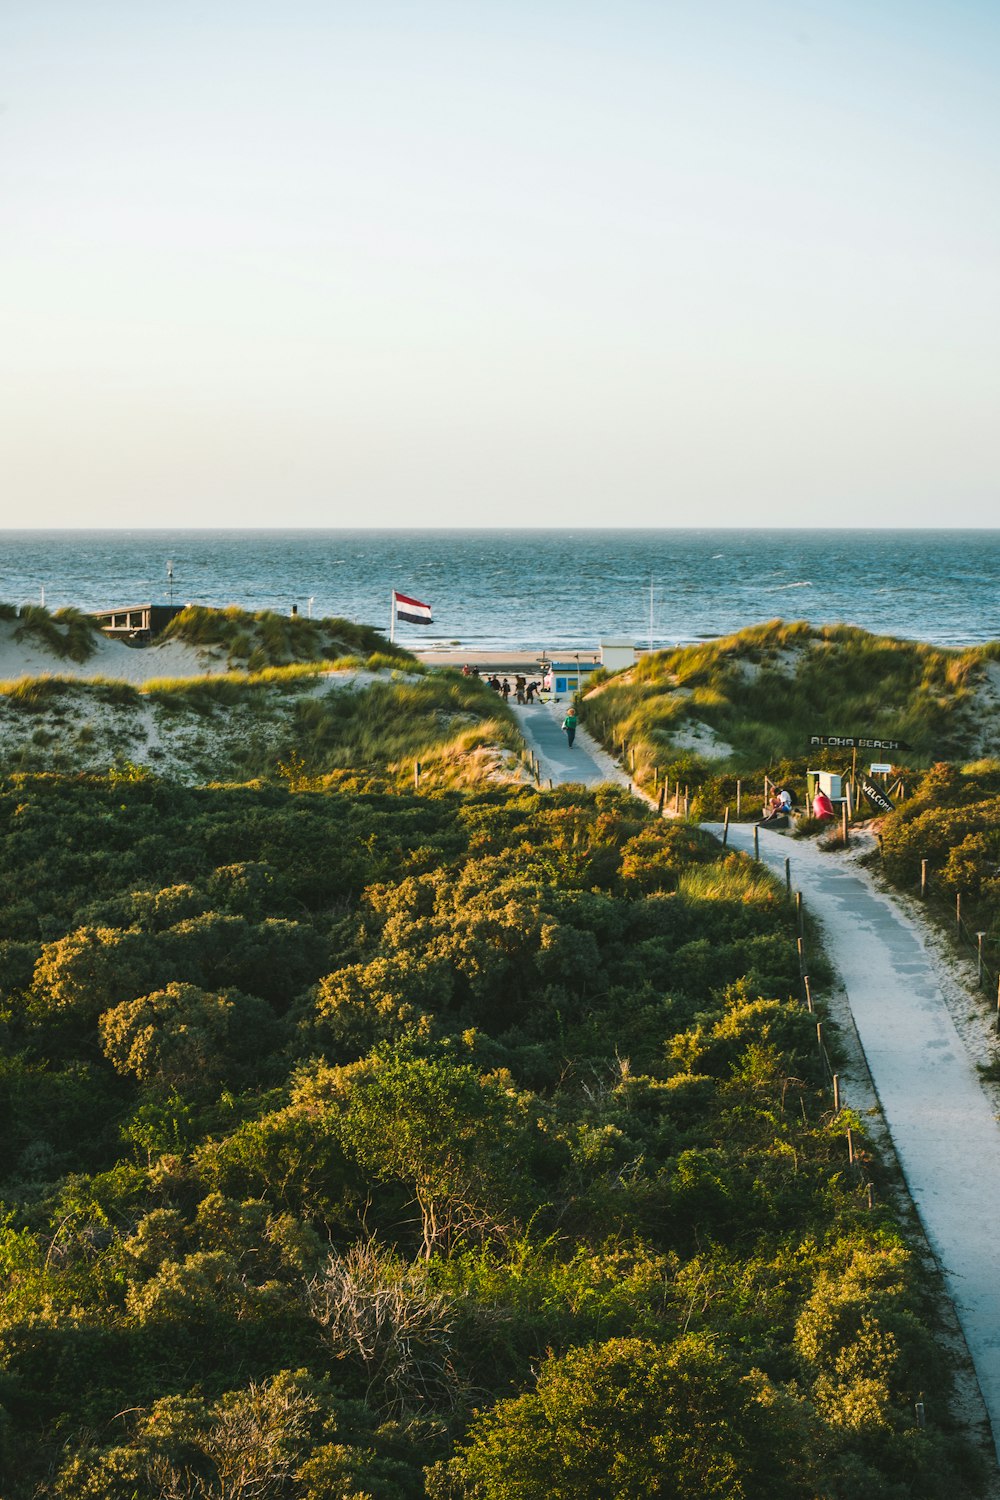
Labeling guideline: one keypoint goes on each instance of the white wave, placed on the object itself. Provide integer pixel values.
(779, 588)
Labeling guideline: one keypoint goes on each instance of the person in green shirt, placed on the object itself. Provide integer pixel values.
(569, 724)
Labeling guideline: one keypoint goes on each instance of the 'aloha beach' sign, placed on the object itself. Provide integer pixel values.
(854, 742)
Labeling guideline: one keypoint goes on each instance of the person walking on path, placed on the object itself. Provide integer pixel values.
(569, 724)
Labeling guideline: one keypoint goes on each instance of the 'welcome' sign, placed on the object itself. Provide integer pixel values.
(854, 742)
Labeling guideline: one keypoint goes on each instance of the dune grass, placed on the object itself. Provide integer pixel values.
(444, 721)
(765, 690)
(298, 723)
(266, 639)
(66, 634)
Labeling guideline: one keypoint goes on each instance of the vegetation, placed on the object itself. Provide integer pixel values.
(362, 1143)
(952, 821)
(296, 722)
(266, 639)
(66, 633)
(748, 703)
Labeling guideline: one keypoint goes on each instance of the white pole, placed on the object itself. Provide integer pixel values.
(651, 614)
(392, 618)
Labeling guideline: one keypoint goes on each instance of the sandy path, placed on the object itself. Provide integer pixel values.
(941, 1120)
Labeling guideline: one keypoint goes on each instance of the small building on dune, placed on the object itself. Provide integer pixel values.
(136, 623)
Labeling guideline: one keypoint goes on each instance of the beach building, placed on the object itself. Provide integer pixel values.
(617, 652)
(137, 623)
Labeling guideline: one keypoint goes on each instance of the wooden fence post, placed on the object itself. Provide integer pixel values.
(801, 949)
(798, 911)
(756, 842)
(836, 1093)
(923, 880)
(809, 996)
(788, 876)
(843, 822)
(958, 912)
(416, 775)
(659, 805)
(725, 827)
(850, 1146)
(739, 798)
(979, 958)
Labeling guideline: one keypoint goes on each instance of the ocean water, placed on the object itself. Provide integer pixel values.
(530, 589)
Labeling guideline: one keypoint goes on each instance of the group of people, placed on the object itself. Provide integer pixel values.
(524, 691)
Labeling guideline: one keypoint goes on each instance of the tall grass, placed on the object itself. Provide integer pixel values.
(230, 689)
(442, 720)
(67, 634)
(267, 639)
(766, 690)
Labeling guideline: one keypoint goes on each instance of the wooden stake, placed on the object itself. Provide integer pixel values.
(659, 805)
(850, 1146)
(809, 998)
(739, 798)
(416, 775)
(843, 822)
(725, 828)
(756, 842)
(836, 1093)
(958, 912)
(923, 880)
(798, 910)
(802, 955)
(788, 876)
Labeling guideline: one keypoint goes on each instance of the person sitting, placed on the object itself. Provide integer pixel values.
(775, 811)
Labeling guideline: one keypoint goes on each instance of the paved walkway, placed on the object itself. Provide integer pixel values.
(586, 763)
(942, 1124)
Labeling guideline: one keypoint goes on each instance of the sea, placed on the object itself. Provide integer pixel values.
(530, 589)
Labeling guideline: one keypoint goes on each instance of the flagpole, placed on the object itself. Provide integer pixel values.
(392, 618)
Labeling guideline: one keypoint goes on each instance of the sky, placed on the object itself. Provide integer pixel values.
(499, 262)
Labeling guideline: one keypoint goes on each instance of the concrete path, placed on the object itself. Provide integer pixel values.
(942, 1124)
(586, 763)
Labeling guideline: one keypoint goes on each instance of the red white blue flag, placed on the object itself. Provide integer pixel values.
(411, 610)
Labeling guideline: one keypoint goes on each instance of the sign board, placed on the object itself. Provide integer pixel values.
(855, 742)
(876, 796)
(881, 768)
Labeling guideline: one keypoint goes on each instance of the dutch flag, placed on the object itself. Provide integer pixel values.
(411, 610)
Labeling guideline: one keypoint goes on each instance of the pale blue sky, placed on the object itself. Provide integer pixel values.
(714, 262)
